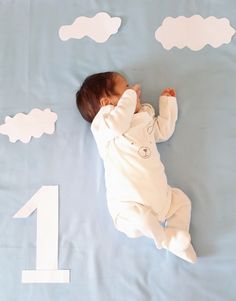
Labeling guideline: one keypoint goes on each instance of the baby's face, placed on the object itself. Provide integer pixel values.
(121, 84)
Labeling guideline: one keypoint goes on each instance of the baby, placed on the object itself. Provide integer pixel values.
(139, 198)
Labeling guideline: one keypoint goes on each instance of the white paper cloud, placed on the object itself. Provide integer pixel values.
(24, 126)
(194, 32)
(99, 28)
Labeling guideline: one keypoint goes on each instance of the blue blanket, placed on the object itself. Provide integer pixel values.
(39, 70)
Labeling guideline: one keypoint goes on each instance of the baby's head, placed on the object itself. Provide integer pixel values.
(99, 90)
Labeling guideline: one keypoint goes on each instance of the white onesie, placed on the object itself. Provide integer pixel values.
(126, 142)
(138, 195)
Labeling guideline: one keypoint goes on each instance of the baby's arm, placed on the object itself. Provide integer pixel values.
(119, 118)
(164, 125)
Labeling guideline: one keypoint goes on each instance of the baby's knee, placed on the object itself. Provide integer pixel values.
(182, 197)
(187, 201)
(139, 216)
(125, 223)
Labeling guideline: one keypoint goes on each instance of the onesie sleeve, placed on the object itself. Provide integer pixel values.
(164, 124)
(119, 118)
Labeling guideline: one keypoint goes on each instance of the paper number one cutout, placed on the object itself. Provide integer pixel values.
(45, 200)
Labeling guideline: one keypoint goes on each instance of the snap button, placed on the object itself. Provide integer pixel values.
(149, 129)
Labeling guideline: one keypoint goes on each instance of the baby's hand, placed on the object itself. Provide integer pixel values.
(137, 89)
(168, 92)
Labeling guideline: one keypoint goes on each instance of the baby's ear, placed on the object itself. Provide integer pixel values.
(104, 101)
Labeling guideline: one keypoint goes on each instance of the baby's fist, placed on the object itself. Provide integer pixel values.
(168, 92)
(137, 89)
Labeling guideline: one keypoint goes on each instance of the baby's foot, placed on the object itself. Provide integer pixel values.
(176, 240)
(188, 254)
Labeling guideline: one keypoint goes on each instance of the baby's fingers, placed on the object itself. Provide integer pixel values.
(169, 92)
(137, 89)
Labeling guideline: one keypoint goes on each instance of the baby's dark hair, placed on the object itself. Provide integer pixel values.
(92, 90)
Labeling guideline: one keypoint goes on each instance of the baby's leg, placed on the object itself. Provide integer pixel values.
(179, 214)
(177, 226)
(140, 220)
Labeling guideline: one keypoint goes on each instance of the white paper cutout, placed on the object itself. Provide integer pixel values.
(45, 200)
(24, 126)
(99, 28)
(194, 32)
